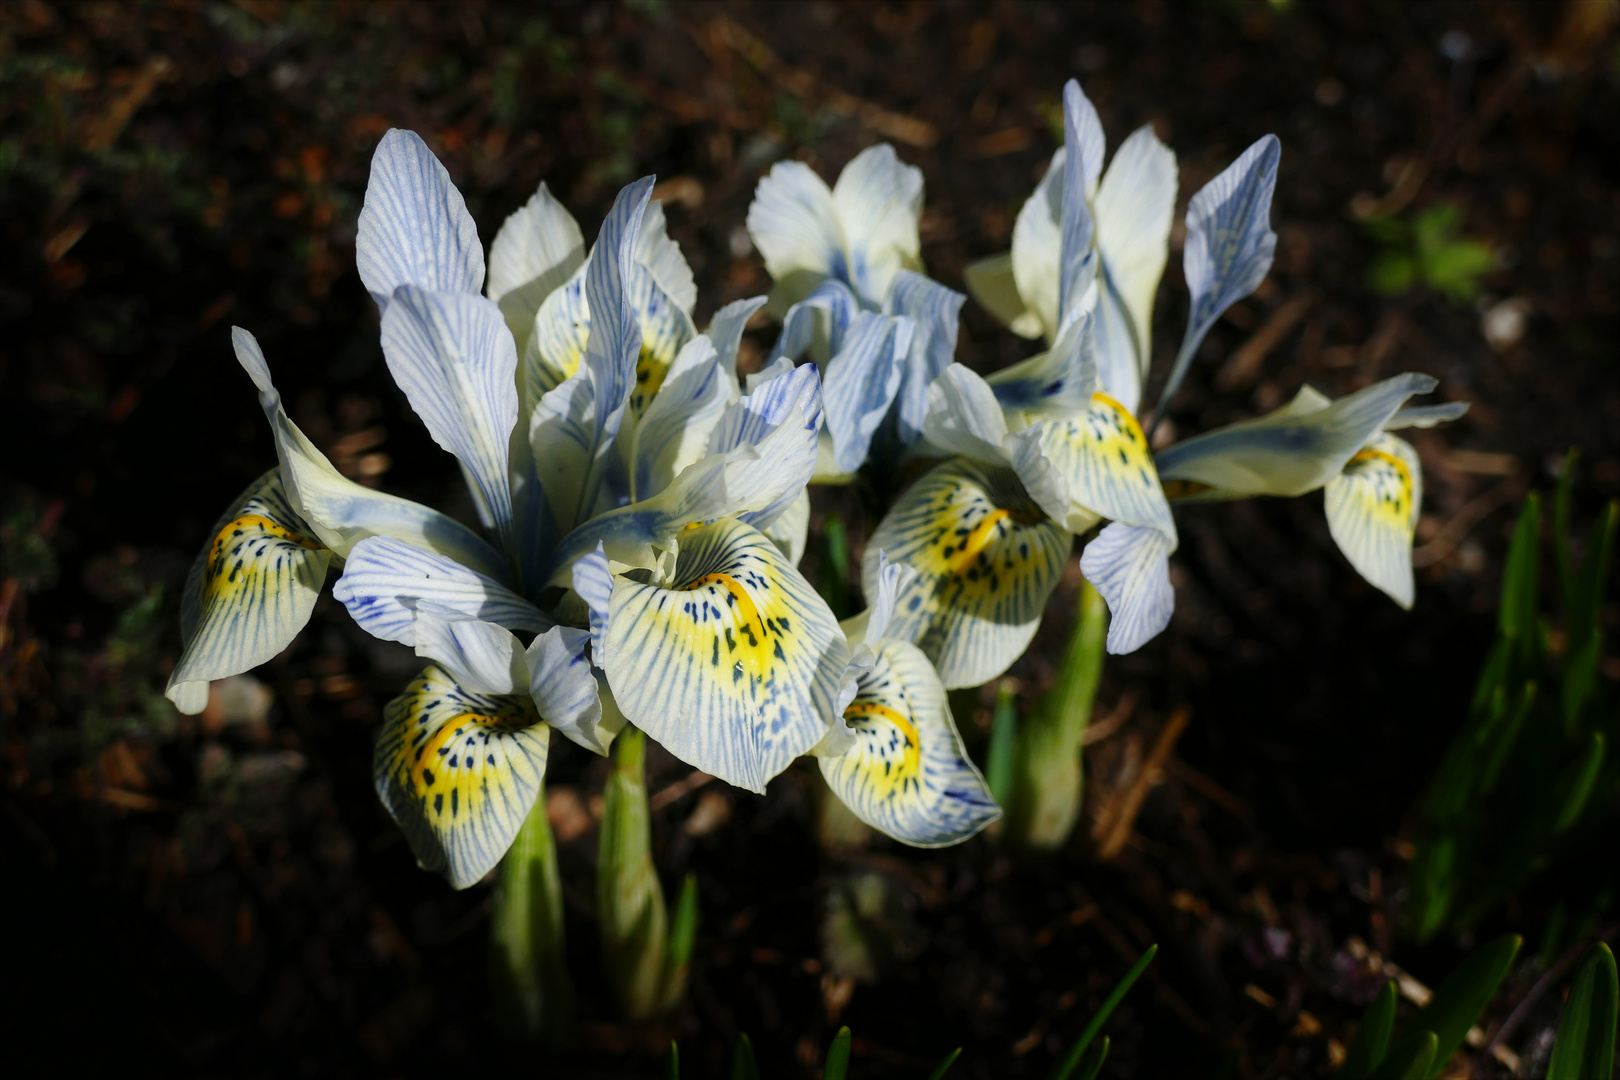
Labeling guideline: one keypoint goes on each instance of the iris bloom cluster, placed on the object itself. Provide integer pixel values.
(641, 513)
(642, 510)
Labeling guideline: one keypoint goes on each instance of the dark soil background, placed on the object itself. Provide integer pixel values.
(223, 896)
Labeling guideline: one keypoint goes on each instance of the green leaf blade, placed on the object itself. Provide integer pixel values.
(1584, 1046)
(1371, 1044)
(1071, 1061)
(837, 1066)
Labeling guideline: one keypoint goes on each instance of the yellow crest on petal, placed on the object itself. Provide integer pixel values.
(1372, 512)
(459, 771)
(986, 559)
(734, 667)
(1103, 467)
(907, 773)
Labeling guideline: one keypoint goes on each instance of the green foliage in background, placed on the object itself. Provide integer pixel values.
(1083, 1061)
(1528, 785)
(1429, 249)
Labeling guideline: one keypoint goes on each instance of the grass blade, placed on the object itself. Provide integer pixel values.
(1072, 1059)
(1371, 1044)
(946, 1064)
(837, 1057)
(743, 1066)
(1585, 1043)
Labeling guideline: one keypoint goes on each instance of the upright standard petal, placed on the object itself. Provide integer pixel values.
(452, 356)
(734, 669)
(986, 559)
(907, 774)
(1083, 147)
(1096, 464)
(341, 512)
(459, 772)
(1130, 566)
(1296, 449)
(990, 281)
(414, 228)
(249, 592)
(663, 259)
(861, 383)
(935, 313)
(1229, 247)
(725, 332)
(385, 580)
(794, 224)
(1037, 247)
(879, 202)
(817, 323)
(1135, 207)
(674, 431)
(538, 249)
(615, 342)
(1372, 512)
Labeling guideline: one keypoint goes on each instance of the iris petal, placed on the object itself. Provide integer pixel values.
(1372, 510)
(986, 558)
(734, 668)
(459, 772)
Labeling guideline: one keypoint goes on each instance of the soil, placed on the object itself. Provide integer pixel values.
(223, 895)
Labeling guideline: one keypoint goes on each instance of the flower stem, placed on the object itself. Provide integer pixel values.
(1047, 782)
(629, 900)
(533, 997)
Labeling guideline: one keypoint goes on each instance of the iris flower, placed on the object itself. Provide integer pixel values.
(847, 264)
(645, 462)
(1373, 480)
(1050, 447)
(895, 757)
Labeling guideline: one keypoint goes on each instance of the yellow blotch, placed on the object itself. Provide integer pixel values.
(878, 762)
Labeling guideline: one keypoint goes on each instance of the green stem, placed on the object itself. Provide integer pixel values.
(528, 977)
(1044, 802)
(629, 901)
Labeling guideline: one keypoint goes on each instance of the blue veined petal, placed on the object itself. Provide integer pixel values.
(1135, 207)
(480, 656)
(1037, 248)
(384, 580)
(1426, 416)
(965, 418)
(1372, 512)
(341, 512)
(249, 591)
(1096, 464)
(879, 202)
(734, 669)
(537, 249)
(562, 442)
(793, 223)
(1130, 566)
(792, 402)
(663, 259)
(725, 332)
(1291, 451)
(453, 357)
(906, 773)
(563, 688)
(817, 323)
(872, 625)
(593, 581)
(986, 559)
(1113, 333)
(414, 228)
(1057, 382)
(459, 772)
(1083, 144)
(861, 382)
(674, 431)
(755, 482)
(935, 313)
(615, 339)
(1229, 247)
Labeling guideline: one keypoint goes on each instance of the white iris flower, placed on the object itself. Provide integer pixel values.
(638, 455)
(1373, 480)
(847, 264)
